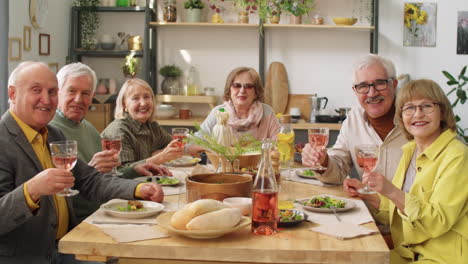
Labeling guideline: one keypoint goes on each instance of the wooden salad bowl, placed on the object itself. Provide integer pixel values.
(218, 186)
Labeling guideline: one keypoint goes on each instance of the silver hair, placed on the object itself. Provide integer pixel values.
(20, 68)
(371, 59)
(120, 112)
(74, 70)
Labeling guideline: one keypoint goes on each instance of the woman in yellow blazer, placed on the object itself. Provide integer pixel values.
(426, 204)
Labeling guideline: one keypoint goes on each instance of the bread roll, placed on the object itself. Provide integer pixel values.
(180, 218)
(220, 219)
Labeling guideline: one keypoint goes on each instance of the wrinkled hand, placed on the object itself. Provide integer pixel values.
(105, 160)
(311, 157)
(149, 169)
(350, 186)
(173, 151)
(152, 191)
(378, 183)
(49, 182)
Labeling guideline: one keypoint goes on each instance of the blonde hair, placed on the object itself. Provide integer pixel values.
(259, 91)
(120, 112)
(424, 89)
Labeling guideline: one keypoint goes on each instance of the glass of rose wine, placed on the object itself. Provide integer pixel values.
(367, 156)
(64, 155)
(180, 133)
(318, 139)
(112, 143)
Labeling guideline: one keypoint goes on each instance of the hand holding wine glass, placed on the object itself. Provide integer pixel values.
(180, 133)
(112, 143)
(367, 156)
(64, 156)
(318, 140)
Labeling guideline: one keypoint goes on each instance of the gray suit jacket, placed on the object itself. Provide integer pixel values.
(27, 237)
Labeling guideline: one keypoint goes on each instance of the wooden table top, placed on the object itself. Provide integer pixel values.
(290, 245)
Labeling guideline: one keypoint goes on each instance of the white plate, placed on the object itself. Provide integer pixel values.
(165, 219)
(151, 208)
(301, 174)
(350, 204)
(183, 161)
(144, 179)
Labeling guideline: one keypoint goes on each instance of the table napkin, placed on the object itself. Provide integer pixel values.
(358, 215)
(344, 230)
(296, 178)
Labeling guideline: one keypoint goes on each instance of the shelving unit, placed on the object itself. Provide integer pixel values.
(199, 99)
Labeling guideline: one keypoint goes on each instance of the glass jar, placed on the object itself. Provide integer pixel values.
(265, 195)
(170, 11)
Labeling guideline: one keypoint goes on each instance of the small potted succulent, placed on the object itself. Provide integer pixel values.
(193, 10)
(171, 83)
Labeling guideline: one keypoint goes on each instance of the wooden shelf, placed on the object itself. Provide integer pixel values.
(113, 9)
(184, 24)
(195, 99)
(182, 122)
(329, 26)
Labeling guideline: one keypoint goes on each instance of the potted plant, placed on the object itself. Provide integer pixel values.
(270, 9)
(171, 84)
(297, 8)
(216, 17)
(89, 22)
(245, 8)
(193, 10)
(130, 66)
(460, 92)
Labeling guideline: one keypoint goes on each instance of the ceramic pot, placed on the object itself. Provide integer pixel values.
(275, 19)
(193, 15)
(243, 17)
(171, 85)
(295, 19)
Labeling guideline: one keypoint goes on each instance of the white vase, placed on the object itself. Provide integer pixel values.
(192, 15)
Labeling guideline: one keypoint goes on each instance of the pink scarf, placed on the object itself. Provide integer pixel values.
(252, 120)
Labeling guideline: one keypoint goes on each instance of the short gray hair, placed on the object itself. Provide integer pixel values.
(22, 66)
(126, 88)
(75, 70)
(371, 59)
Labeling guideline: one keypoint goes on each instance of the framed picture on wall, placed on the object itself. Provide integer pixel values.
(54, 67)
(44, 44)
(14, 49)
(419, 28)
(26, 38)
(462, 32)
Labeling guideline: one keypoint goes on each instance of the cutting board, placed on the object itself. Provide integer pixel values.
(277, 87)
(302, 101)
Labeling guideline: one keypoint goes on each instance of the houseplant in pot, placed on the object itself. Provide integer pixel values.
(130, 66)
(89, 22)
(245, 8)
(270, 9)
(193, 10)
(298, 8)
(457, 86)
(171, 83)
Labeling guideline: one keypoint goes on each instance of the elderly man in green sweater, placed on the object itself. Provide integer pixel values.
(77, 83)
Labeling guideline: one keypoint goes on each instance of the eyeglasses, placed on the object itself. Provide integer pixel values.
(247, 86)
(426, 108)
(378, 85)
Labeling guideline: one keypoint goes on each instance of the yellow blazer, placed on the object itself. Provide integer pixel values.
(435, 228)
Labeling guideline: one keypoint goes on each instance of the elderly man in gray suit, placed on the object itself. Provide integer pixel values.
(33, 217)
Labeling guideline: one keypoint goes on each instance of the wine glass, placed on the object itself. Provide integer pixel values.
(64, 155)
(318, 139)
(180, 133)
(112, 142)
(367, 156)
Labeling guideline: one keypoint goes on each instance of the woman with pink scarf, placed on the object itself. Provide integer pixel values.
(243, 96)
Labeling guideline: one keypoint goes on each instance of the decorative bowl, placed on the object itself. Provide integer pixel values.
(243, 203)
(165, 111)
(245, 160)
(218, 186)
(107, 45)
(344, 21)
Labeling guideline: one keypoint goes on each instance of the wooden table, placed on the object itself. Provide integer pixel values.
(292, 245)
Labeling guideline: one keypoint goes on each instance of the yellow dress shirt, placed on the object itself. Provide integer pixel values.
(38, 141)
(435, 227)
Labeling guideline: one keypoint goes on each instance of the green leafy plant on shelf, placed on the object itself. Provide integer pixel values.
(194, 4)
(89, 19)
(130, 66)
(270, 8)
(170, 71)
(298, 7)
(245, 144)
(249, 6)
(457, 85)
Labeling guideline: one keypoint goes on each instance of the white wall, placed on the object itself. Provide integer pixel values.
(57, 25)
(317, 61)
